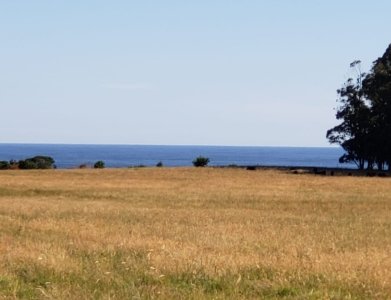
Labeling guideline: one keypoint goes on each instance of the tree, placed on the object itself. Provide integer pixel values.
(365, 111)
(353, 134)
(377, 87)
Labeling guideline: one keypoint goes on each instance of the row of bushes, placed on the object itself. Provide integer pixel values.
(47, 162)
(198, 162)
(36, 162)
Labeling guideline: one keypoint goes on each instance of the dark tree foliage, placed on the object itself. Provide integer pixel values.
(201, 161)
(100, 164)
(4, 165)
(377, 87)
(352, 133)
(37, 162)
(365, 112)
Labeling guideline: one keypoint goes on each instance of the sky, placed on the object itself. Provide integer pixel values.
(205, 72)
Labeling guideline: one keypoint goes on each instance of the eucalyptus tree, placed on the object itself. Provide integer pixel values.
(365, 113)
(377, 87)
(353, 133)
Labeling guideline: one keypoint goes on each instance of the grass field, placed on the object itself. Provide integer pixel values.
(193, 233)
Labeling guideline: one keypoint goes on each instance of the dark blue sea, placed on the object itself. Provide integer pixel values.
(72, 156)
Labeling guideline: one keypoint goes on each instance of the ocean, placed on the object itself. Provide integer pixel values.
(117, 156)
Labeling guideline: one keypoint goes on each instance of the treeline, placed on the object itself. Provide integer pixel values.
(365, 113)
(36, 162)
(47, 162)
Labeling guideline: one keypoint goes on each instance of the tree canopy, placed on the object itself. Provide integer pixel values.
(365, 113)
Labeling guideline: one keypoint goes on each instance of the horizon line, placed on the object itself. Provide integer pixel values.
(162, 145)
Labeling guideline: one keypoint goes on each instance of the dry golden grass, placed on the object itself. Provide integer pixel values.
(193, 233)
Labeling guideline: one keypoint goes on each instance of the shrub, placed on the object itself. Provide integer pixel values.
(159, 164)
(14, 165)
(137, 166)
(232, 166)
(44, 162)
(4, 165)
(37, 162)
(27, 164)
(201, 161)
(100, 164)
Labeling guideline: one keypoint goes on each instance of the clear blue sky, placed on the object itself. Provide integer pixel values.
(211, 72)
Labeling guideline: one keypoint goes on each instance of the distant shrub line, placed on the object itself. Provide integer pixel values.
(36, 162)
(47, 162)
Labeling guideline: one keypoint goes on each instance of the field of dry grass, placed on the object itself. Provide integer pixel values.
(193, 233)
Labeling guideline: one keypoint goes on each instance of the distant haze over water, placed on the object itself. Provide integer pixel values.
(71, 156)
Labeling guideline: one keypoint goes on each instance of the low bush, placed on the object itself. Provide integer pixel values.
(100, 164)
(37, 162)
(4, 165)
(14, 164)
(137, 166)
(232, 166)
(159, 164)
(201, 161)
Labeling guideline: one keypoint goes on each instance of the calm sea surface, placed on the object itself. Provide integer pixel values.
(71, 156)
